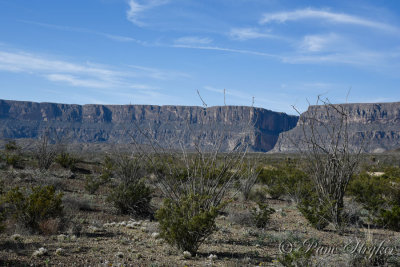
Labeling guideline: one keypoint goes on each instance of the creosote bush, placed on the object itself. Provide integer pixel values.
(379, 195)
(131, 195)
(261, 215)
(285, 180)
(12, 155)
(187, 223)
(132, 198)
(66, 160)
(34, 208)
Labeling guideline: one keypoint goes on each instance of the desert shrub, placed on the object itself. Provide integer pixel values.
(380, 196)
(66, 160)
(375, 259)
(107, 170)
(12, 155)
(315, 211)
(330, 160)
(261, 215)
(297, 257)
(44, 152)
(258, 194)
(248, 180)
(92, 183)
(370, 191)
(11, 146)
(132, 198)
(128, 168)
(32, 209)
(186, 223)
(390, 218)
(272, 177)
(2, 208)
(285, 180)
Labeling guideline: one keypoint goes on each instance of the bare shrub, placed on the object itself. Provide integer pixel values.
(45, 153)
(331, 161)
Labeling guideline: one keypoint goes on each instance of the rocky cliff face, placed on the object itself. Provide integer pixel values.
(376, 127)
(169, 125)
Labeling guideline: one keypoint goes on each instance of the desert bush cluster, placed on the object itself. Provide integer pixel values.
(187, 191)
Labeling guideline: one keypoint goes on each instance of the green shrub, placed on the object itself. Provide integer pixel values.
(14, 160)
(390, 218)
(132, 198)
(186, 223)
(316, 212)
(107, 170)
(299, 257)
(11, 146)
(92, 183)
(66, 160)
(380, 196)
(2, 208)
(261, 215)
(371, 191)
(36, 207)
(285, 180)
(258, 194)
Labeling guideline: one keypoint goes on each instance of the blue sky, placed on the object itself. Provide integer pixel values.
(161, 52)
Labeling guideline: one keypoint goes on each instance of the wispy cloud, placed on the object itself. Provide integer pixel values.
(114, 37)
(136, 10)
(82, 75)
(158, 73)
(193, 40)
(77, 81)
(322, 42)
(249, 33)
(224, 49)
(328, 16)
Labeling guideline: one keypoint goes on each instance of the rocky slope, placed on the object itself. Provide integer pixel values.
(376, 127)
(169, 125)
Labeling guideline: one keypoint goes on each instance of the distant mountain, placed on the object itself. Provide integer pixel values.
(373, 126)
(169, 125)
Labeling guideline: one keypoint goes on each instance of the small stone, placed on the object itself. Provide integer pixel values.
(40, 252)
(144, 229)
(155, 235)
(187, 255)
(130, 226)
(72, 237)
(61, 238)
(212, 257)
(119, 254)
(59, 251)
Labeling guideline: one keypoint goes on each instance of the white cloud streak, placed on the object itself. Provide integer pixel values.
(323, 42)
(249, 33)
(216, 48)
(332, 17)
(193, 40)
(82, 75)
(135, 12)
(114, 37)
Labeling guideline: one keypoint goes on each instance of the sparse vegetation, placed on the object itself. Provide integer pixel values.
(261, 215)
(132, 198)
(45, 153)
(34, 209)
